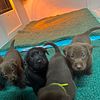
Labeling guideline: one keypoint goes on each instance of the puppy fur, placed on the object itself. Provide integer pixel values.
(2, 79)
(79, 54)
(58, 72)
(37, 65)
(12, 67)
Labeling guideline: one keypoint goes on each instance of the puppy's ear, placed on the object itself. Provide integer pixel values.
(89, 48)
(27, 58)
(66, 49)
(45, 50)
(14, 63)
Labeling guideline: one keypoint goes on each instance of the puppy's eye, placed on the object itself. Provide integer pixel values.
(36, 52)
(72, 56)
(12, 69)
(1, 74)
(32, 55)
(5, 76)
(83, 55)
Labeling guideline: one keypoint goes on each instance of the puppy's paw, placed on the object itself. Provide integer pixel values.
(21, 85)
(88, 72)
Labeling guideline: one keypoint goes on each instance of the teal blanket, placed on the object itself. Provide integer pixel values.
(15, 93)
(88, 87)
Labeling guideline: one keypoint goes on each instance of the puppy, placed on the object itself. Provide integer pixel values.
(37, 65)
(12, 67)
(2, 79)
(59, 85)
(79, 54)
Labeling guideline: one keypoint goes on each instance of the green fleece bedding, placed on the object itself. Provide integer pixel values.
(15, 93)
(88, 87)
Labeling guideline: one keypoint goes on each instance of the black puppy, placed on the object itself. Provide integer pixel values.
(37, 65)
(59, 85)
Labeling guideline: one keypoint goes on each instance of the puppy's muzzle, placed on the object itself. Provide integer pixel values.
(78, 65)
(13, 78)
(41, 61)
(10, 77)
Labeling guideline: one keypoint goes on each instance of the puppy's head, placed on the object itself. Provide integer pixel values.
(9, 70)
(36, 58)
(77, 55)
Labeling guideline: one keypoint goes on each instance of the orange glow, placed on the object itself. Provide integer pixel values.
(38, 9)
(45, 9)
(50, 22)
(12, 4)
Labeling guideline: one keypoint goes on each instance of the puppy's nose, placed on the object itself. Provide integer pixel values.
(79, 66)
(6, 77)
(39, 61)
(13, 78)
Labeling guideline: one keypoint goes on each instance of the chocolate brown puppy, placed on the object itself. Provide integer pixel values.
(37, 65)
(79, 54)
(12, 67)
(59, 85)
(2, 79)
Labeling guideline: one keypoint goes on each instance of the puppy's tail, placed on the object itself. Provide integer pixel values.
(90, 30)
(54, 45)
(12, 44)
